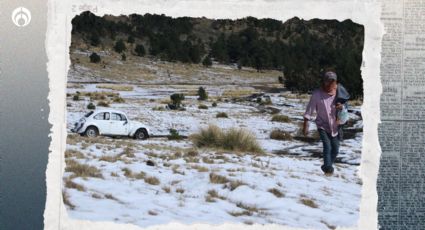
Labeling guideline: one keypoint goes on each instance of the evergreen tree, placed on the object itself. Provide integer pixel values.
(94, 58)
(119, 46)
(140, 50)
(207, 61)
(94, 39)
(203, 95)
(130, 39)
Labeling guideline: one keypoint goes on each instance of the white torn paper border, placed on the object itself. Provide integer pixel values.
(58, 39)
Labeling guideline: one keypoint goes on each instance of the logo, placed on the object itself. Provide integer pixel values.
(21, 16)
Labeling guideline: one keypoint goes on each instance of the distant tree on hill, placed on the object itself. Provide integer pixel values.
(94, 39)
(119, 46)
(130, 39)
(202, 93)
(94, 58)
(177, 99)
(207, 61)
(140, 50)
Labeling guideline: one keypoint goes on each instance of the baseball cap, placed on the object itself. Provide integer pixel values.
(329, 75)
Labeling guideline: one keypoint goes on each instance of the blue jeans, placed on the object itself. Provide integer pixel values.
(330, 150)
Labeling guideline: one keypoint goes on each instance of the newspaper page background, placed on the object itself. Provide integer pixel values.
(365, 12)
(401, 180)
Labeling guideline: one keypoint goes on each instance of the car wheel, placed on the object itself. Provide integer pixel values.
(91, 132)
(141, 134)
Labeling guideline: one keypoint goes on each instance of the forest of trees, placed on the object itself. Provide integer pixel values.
(299, 48)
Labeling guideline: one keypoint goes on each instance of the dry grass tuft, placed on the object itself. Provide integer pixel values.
(152, 213)
(96, 196)
(281, 118)
(111, 159)
(72, 185)
(250, 208)
(115, 87)
(238, 93)
(130, 174)
(212, 195)
(241, 213)
(66, 201)
(308, 202)
(118, 99)
(202, 106)
(234, 184)
(166, 189)
(111, 197)
(82, 170)
(200, 168)
(221, 115)
(176, 170)
(280, 135)
(73, 153)
(218, 179)
(207, 160)
(236, 139)
(128, 152)
(152, 180)
(103, 104)
(276, 192)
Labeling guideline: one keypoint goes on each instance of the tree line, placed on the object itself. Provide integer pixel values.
(300, 49)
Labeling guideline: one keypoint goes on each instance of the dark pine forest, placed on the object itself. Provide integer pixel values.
(301, 49)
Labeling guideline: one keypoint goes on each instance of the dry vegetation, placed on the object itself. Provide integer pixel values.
(235, 139)
(281, 118)
(82, 170)
(280, 135)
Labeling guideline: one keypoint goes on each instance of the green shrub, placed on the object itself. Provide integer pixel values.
(214, 104)
(177, 98)
(91, 106)
(76, 97)
(94, 58)
(174, 135)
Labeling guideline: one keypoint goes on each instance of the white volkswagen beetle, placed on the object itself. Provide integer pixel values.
(110, 122)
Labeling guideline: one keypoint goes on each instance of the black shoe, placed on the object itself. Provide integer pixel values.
(327, 169)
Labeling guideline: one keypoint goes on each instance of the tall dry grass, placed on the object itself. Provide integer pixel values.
(234, 139)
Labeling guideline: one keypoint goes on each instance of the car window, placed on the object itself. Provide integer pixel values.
(102, 116)
(117, 117)
(88, 114)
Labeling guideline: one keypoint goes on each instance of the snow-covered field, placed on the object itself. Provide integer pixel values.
(157, 181)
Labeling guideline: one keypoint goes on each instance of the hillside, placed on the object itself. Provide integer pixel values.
(300, 48)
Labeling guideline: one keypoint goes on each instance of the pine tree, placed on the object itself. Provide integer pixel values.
(119, 46)
(94, 58)
(203, 95)
(207, 61)
(140, 50)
